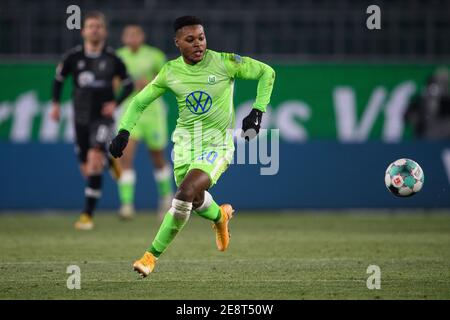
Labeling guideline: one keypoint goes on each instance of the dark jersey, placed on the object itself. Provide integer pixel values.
(93, 80)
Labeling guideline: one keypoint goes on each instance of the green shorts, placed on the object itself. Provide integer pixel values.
(151, 127)
(213, 161)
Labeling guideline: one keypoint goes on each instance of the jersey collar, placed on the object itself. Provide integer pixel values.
(93, 55)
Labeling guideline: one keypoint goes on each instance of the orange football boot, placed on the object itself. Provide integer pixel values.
(145, 265)
(221, 227)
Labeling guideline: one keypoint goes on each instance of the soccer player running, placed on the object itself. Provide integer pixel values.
(202, 81)
(143, 63)
(93, 67)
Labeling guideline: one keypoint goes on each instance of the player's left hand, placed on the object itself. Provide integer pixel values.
(251, 124)
(108, 109)
(55, 111)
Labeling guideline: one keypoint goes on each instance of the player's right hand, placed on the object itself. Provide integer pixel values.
(54, 112)
(119, 143)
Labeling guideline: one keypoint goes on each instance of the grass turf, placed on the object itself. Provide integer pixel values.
(271, 256)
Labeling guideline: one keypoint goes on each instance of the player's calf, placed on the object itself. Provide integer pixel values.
(174, 220)
(95, 161)
(126, 185)
(93, 189)
(220, 216)
(163, 178)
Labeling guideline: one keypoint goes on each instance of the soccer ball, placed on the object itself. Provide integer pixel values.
(404, 178)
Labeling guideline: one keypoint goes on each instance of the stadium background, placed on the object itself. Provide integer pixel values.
(339, 99)
(338, 102)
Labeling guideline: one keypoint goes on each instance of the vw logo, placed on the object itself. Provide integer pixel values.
(198, 102)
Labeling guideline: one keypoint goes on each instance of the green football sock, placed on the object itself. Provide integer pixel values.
(209, 209)
(163, 179)
(126, 186)
(211, 213)
(126, 192)
(174, 220)
(164, 187)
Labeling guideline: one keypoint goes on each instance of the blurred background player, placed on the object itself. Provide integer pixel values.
(93, 67)
(143, 63)
(203, 82)
(429, 111)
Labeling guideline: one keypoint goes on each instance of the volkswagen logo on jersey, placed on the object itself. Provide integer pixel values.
(198, 102)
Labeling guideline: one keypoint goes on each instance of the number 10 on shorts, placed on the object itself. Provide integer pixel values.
(210, 156)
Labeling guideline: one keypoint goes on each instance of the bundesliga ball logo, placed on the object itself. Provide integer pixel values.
(404, 178)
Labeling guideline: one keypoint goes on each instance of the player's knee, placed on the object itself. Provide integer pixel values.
(180, 209)
(198, 199)
(185, 192)
(95, 161)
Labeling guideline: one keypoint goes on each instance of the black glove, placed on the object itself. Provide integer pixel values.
(251, 124)
(119, 143)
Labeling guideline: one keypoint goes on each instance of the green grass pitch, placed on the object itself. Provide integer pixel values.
(309, 255)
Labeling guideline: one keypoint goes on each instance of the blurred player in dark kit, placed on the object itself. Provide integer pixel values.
(93, 67)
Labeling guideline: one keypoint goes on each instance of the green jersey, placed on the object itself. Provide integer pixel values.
(145, 63)
(204, 92)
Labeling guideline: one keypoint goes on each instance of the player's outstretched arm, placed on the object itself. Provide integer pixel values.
(251, 69)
